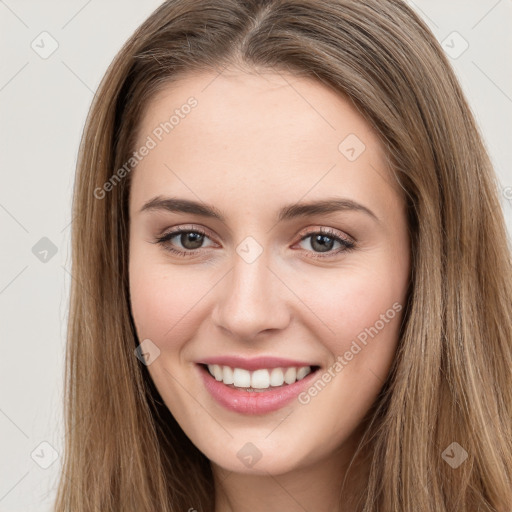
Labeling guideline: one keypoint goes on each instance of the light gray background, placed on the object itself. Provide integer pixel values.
(43, 104)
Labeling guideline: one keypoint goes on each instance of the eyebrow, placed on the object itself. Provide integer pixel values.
(292, 211)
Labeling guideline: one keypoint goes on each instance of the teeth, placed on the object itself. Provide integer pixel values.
(290, 375)
(218, 373)
(302, 372)
(276, 377)
(258, 379)
(241, 378)
(228, 375)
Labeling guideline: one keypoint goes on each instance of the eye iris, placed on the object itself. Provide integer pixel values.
(196, 239)
(321, 240)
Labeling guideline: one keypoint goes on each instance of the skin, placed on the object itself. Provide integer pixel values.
(255, 143)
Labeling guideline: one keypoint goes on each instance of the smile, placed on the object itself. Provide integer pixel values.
(255, 386)
(258, 380)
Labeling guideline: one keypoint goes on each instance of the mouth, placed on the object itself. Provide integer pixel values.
(256, 391)
(260, 380)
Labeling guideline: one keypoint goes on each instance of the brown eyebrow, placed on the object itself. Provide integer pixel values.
(174, 204)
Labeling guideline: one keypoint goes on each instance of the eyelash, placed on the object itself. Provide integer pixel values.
(347, 245)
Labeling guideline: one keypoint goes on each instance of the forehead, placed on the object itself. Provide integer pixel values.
(259, 103)
(257, 133)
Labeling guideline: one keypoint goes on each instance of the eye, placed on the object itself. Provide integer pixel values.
(323, 240)
(190, 240)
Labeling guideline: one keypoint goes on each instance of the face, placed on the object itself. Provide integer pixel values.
(294, 308)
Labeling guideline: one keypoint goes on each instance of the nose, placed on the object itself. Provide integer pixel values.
(250, 300)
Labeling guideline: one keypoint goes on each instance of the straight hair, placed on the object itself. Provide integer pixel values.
(450, 381)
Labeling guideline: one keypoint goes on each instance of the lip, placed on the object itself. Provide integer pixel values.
(255, 363)
(253, 402)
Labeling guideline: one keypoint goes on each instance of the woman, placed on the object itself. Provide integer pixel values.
(292, 278)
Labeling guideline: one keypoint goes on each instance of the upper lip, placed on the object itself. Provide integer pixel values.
(255, 363)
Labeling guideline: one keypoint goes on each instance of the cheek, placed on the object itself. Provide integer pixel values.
(355, 302)
(359, 312)
(363, 310)
(153, 310)
(163, 302)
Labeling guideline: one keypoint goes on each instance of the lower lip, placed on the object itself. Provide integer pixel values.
(253, 402)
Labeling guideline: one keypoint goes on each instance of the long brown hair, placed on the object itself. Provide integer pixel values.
(450, 386)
